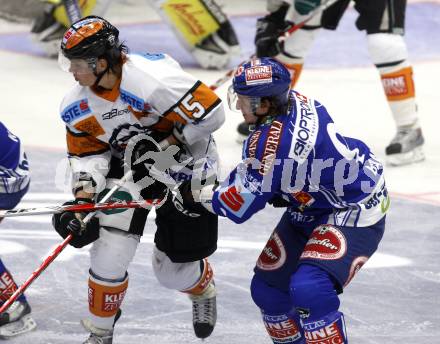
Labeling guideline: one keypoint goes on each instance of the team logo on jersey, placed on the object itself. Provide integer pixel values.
(258, 75)
(252, 143)
(274, 254)
(75, 110)
(356, 265)
(304, 198)
(135, 102)
(305, 129)
(326, 242)
(114, 113)
(235, 201)
(270, 149)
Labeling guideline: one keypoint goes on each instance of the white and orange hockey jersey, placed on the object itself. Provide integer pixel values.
(153, 92)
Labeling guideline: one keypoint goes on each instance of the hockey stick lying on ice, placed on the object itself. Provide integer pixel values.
(51, 257)
(281, 38)
(79, 207)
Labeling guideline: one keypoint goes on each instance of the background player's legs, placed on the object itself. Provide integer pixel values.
(292, 55)
(194, 278)
(389, 53)
(49, 26)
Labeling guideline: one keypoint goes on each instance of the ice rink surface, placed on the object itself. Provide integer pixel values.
(394, 300)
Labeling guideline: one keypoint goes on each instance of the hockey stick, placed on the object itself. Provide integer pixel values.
(281, 38)
(72, 9)
(51, 257)
(79, 208)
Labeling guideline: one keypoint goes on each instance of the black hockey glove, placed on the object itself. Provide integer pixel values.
(269, 28)
(279, 202)
(68, 222)
(186, 196)
(147, 154)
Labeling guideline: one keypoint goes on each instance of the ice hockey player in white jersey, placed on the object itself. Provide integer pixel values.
(200, 25)
(14, 183)
(122, 108)
(384, 23)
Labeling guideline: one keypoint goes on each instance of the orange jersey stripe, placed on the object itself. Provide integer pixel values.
(84, 144)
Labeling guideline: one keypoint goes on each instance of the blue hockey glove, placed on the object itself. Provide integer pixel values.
(304, 7)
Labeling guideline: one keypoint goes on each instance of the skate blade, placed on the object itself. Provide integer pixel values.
(411, 157)
(23, 325)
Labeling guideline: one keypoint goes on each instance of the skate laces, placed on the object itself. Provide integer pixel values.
(96, 339)
(204, 306)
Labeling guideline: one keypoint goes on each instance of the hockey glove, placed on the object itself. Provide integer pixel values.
(68, 222)
(304, 7)
(147, 154)
(269, 28)
(279, 202)
(190, 198)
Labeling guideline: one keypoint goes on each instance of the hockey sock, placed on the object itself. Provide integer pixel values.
(7, 285)
(206, 276)
(105, 299)
(400, 92)
(327, 329)
(280, 319)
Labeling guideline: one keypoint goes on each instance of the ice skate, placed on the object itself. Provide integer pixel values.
(204, 310)
(16, 320)
(99, 335)
(406, 147)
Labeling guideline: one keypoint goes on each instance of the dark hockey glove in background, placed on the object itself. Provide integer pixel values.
(68, 222)
(304, 7)
(269, 28)
(279, 202)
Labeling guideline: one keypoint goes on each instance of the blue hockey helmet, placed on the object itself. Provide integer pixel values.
(262, 78)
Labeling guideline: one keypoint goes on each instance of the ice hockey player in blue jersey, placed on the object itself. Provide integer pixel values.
(14, 183)
(335, 197)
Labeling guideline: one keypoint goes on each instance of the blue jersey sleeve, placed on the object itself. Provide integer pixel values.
(256, 179)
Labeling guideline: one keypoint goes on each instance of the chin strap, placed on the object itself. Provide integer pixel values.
(99, 76)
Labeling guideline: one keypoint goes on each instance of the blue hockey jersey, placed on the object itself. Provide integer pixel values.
(14, 169)
(301, 158)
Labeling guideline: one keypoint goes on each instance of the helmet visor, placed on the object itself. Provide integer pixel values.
(241, 103)
(77, 66)
(233, 99)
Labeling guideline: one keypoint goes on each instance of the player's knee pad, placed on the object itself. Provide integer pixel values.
(386, 49)
(105, 298)
(280, 319)
(297, 45)
(328, 329)
(268, 298)
(180, 276)
(112, 253)
(313, 292)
